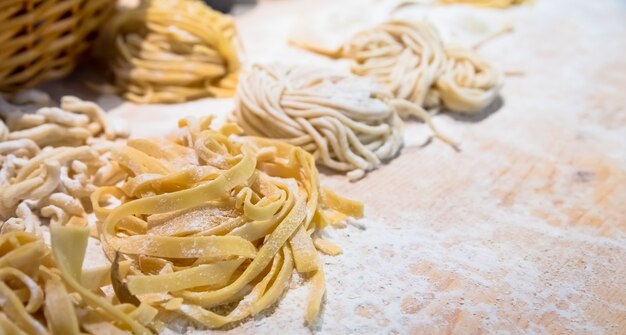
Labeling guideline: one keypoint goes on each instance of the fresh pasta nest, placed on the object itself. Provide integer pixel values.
(52, 159)
(169, 51)
(411, 60)
(214, 224)
(44, 291)
(348, 123)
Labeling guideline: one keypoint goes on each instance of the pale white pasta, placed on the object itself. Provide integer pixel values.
(49, 163)
(348, 123)
(411, 60)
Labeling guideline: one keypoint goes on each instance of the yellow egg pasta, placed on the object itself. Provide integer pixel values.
(214, 224)
(169, 51)
(42, 293)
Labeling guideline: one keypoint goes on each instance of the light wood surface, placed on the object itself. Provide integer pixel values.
(522, 231)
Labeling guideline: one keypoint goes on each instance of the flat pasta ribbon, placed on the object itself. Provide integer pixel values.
(218, 241)
(42, 293)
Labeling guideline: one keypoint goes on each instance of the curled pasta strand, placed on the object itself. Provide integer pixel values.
(95, 113)
(63, 117)
(49, 134)
(31, 221)
(56, 215)
(22, 147)
(35, 297)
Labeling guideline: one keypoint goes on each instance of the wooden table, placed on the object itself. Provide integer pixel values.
(522, 231)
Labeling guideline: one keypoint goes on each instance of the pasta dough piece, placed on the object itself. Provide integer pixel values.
(169, 51)
(36, 283)
(411, 60)
(269, 189)
(48, 165)
(348, 123)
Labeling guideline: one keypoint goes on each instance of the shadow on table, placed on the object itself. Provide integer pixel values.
(78, 84)
(495, 106)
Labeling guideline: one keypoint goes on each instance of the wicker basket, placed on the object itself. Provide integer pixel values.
(42, 39)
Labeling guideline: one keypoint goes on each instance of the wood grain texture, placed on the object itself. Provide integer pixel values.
(522, 231)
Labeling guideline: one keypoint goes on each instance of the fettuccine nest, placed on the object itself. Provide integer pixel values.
(213, 220)
(169, 51)
(45, 292)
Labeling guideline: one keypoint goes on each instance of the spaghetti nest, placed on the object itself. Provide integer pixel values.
(214, 224)
(169, 51)
(411, 60)
(44, 291)
(52, 159)
(348, 123)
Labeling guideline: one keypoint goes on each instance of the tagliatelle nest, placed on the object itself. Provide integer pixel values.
(169, 51)
(45, 292)
(215, 220)
(51, 160)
